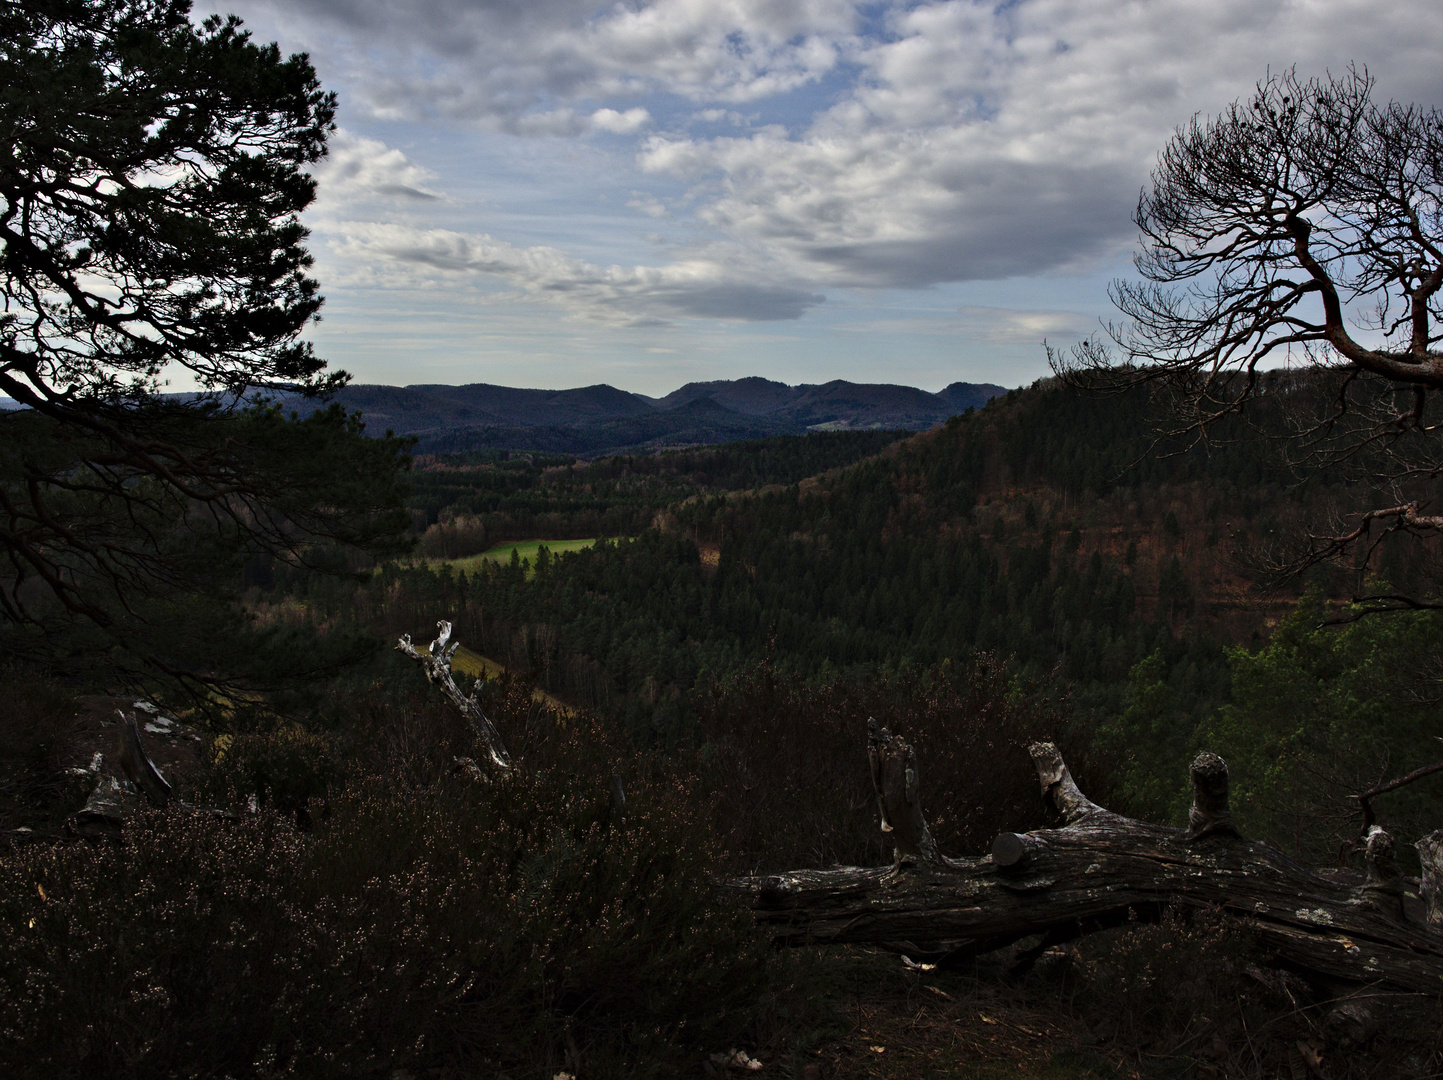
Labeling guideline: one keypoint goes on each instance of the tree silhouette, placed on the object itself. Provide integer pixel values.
(150, 191)
(1295, 241)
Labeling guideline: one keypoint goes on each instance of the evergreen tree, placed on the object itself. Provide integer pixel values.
(150, 191)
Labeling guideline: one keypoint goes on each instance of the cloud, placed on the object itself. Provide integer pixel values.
(648, 204)
(1010, 326)
(896, 145)
(498, 60)
(358, 168)
(707, 285)
(620, 123)
(981, 142)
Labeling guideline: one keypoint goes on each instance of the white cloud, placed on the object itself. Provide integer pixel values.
(648, 204)
(358, 168)
(895, 145)
(1011, 326)
(720, 116)
(620, 123)
(985, 142)
(711, 285)
(497, 61)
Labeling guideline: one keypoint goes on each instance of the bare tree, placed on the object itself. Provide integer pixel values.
(1292, 250)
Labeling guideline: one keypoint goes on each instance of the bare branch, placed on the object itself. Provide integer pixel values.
(435, 661)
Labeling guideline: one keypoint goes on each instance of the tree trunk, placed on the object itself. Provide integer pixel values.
(1099, 870)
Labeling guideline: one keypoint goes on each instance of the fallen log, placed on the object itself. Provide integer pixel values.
(109, 806)
(1100, 869)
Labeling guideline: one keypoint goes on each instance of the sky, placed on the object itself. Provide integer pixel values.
(556, 193)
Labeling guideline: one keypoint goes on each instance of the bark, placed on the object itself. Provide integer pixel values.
(1100, 869)
(435, 660)
(104, 813)
(106, 810)
(1430, 854)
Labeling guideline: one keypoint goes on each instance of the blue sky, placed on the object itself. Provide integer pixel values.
(553, 193)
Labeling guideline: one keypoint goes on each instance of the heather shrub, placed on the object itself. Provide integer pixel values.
(523, 924)
(1192, 994)
(288, 768)
(39, 728)
(1165, 979)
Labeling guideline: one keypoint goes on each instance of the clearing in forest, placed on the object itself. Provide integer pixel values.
(525, 549)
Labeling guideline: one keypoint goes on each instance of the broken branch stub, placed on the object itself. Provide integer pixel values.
(435, 661)
(137, 766)
(1099, 870)
(1385, 880)
(104, 813)
(1430, 854)
(1210, 812)
(1059, 790)
(897, 784)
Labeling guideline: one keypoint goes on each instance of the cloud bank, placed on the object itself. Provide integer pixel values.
(817, 144)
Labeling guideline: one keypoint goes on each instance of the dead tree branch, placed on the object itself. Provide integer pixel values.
(436, 662)
(1365, 800)
(1098, 870)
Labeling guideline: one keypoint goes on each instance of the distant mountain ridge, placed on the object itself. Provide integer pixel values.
(591, 420)
(838, 403)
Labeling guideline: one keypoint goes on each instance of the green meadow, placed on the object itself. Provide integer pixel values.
(526, 549)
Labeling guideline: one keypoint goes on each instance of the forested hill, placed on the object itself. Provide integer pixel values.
(1047, 528)
(595, 420)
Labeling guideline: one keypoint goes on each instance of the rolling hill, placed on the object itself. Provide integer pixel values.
(601, 419)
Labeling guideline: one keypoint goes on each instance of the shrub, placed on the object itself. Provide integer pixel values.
(286, 769)
(504, 925)
(39, 728)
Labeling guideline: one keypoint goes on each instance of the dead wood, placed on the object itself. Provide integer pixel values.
(1099, 869)
(104, 813)
(109, 805)
(137, 766)
(1430, 854)
(1365, 800)
(435, 660)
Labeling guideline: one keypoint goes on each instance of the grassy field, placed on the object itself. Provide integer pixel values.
(526, 549)
(475, 665)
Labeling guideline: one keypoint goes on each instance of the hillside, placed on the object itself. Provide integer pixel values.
(595, 420)
(1040, 568)
(838, 404)
(1047, 528)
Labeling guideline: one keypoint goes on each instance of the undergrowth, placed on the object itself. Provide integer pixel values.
(351, 902)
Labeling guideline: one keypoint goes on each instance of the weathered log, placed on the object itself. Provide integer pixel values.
(106, 810)
(137, 766)
(104, 813)
(1097, 870)
(436, 662)
(1430, 854)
